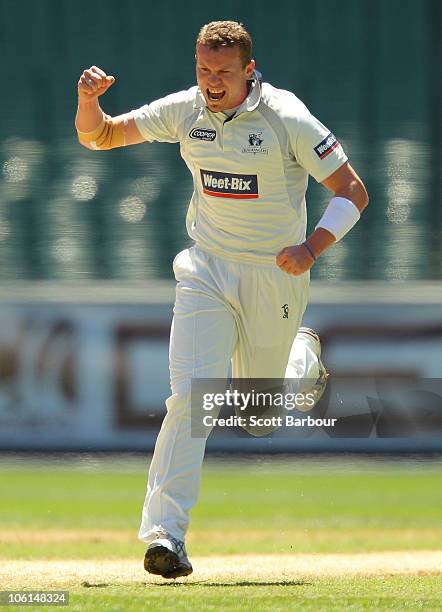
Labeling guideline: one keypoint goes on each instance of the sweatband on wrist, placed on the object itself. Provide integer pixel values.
(339, 217)
(108, 135)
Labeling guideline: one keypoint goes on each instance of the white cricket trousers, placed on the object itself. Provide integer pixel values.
(246, 314)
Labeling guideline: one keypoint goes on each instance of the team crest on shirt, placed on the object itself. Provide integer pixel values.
(255, 140)
(255, 144)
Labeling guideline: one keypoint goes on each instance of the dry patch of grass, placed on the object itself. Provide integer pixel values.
(60, 536)
(229, 569)
(402, 536)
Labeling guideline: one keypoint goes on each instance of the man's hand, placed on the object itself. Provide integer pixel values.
(93, 83)
(112, 131)
(295, 260)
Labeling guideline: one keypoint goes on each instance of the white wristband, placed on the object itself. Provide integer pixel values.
(339, 217)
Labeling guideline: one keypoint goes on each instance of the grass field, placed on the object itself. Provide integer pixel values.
(319, 534)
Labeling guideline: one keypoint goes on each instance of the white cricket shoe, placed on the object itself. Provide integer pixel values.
(166, 556)
(321, 382)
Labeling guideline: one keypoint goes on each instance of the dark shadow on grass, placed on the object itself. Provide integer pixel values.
(97, 585)
(243, 583)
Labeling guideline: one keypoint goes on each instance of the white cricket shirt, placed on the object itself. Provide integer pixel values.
(250, 172)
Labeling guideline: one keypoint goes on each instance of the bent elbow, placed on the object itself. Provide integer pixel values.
(364, 199)
(360, 196)
(85, 144)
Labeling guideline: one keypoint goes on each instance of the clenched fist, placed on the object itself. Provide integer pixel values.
(93, 82)
(295, 260)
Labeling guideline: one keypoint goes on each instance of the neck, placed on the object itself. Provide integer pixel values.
(247, 91)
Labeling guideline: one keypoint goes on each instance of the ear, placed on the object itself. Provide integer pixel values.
(250, 68)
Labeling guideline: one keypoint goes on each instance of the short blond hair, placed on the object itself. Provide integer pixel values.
(218, 34)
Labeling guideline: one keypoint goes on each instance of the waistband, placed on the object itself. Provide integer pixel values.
(268, 261)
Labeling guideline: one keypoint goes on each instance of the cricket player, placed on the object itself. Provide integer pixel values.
(243, 286)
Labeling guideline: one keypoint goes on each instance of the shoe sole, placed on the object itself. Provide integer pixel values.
(161, 561)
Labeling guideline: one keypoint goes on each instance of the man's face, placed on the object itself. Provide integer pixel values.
(221, 76)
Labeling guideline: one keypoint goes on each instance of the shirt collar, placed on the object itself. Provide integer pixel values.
(250, 103)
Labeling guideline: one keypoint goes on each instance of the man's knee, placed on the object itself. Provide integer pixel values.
(178, 403)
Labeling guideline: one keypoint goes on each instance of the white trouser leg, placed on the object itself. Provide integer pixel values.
(203, 337)
(173, 481)
(304, 362)
(270, 304)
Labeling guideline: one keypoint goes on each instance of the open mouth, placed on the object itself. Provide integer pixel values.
(215, 95)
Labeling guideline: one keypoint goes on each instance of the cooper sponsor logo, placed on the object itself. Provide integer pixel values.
(203, 134)
(226, 185)
(326, 146)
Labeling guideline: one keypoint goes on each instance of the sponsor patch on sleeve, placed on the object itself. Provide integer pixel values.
(226, 185)
(326, 146)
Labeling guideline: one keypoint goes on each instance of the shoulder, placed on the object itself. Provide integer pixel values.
(283, 103)
(162, 118)
(179, 102)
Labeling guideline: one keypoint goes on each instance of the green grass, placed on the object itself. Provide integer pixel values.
(284, 507)
(392, 593)
(398, 593)
(245, 507)
(242, 495)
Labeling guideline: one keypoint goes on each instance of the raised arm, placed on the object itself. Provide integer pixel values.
(95, 129)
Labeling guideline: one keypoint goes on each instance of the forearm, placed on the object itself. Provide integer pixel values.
(98, 131)
(89, 115)
(339, 217)
(319, 241)
(343, 211)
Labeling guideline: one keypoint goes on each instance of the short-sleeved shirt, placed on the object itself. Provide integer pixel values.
(250, 170)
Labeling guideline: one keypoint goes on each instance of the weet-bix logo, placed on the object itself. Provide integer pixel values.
(326, 146)
(203, 134)
(226, 185)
